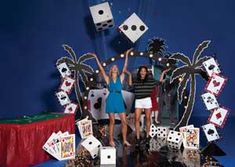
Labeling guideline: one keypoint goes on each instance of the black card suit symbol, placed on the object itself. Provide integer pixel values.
(64, 69)
(210, 100)
(92, 95)
(97, 105)
(63, 97)
(211, 67)
(210, 132)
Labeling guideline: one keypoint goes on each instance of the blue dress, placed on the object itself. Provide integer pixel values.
(115, 101)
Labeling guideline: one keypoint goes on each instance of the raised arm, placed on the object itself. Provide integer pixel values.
(129, 77)
(122, 76)
(162, 75)
(106, 78)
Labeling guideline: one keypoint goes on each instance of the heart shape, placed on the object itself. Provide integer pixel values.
(215, 83)
(67, 83)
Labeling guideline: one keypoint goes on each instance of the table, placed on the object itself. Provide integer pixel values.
(21, 140)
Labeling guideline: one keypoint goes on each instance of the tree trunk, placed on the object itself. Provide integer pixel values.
(188, 110)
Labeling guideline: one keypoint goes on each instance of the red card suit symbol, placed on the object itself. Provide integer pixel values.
(67, 83)
(215, 83)
(218, 115)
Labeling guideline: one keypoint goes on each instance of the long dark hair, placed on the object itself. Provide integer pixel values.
(138, 73)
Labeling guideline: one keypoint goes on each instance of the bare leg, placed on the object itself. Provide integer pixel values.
(148, 121)
(111, 128)
(124, 128)
(156, 113)
(137, 122)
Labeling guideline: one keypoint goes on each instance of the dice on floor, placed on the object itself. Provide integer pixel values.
(133, 28)
(102, 16)
(153, 130)
(174, 139)
(107, 155)
(92, 145)
(162, 131)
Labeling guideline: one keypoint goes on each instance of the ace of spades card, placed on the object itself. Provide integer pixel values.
(67, 143)
(211, 66)
(97, 98)
(71, 108)
(85, 128)
(218, 117)
(64, 70)
(191, 138)
(67, 84)
(63, 98)
(210, 101)
(216, 84)
(210, 132)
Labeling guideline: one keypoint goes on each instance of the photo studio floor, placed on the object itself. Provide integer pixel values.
(159, 155)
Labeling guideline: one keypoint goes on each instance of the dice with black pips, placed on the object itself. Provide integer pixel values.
(107, 155)
(174, 139)
(133, 28)
(102, 16)
(92, 145)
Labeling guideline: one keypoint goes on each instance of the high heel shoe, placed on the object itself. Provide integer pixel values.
(126, 144)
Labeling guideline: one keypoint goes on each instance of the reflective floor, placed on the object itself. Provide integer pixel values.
(156, 153)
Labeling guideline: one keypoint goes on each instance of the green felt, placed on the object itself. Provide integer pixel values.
(31, 119)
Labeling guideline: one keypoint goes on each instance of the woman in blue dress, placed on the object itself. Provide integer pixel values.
(115, 101)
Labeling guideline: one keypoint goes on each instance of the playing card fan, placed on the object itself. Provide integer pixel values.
(61, 145)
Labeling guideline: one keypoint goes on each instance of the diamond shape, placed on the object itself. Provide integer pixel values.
(218, 115)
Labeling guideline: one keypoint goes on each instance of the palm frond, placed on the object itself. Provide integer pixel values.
(178, 72)
(203, 73)
(85, 57)
(66, 60)
(70, 51)
(200, 61)
(156, 45)
(181, 57)
(201, 47)
(86, 68)
(182, 86)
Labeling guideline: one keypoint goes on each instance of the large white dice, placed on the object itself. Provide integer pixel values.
(102, 16)
(162, 131)
(92, 145)
(107, 155)
(174, 139)
(133, 27)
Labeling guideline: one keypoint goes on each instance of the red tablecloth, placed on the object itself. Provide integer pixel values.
(21, 145)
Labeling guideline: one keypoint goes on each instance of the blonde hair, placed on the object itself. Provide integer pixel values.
(110, 71)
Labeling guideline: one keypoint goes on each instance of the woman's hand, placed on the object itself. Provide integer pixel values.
(127, 72)
(128, 51)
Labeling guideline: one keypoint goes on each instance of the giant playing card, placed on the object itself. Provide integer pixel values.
(216, 84)
(218, 117)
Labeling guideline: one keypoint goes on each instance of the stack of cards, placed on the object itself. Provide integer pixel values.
(85, 128)
(65, 89)
(61, 145)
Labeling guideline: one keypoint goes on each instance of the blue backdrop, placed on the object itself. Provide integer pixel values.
(32, 32)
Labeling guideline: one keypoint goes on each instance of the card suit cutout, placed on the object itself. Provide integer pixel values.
(215, 83)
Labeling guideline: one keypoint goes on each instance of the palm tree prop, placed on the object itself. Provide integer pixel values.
(80, 69)
(187, 73)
